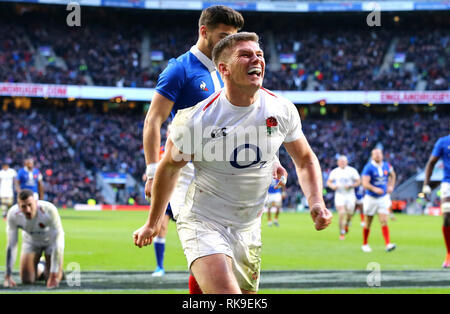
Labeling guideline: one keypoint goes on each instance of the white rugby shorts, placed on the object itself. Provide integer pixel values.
(348, 201)
(201, 236)
(376, 205)
(274, 199)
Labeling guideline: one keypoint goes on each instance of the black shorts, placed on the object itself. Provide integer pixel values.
(169, 212)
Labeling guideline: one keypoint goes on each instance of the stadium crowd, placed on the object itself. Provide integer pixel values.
(327, 58)
(31, 134)
(71, 145)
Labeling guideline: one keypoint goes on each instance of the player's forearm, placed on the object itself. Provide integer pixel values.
(41, 191)
(151, 139)
(331, 185)
(11, 253)
(57, 255)
(17, 186)
(164, 183)
(310, 179)
(428, 171)
(370, 187)
(356, 184)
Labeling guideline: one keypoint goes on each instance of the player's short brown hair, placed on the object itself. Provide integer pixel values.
(229, 42)
(214, 15)
(24, 194)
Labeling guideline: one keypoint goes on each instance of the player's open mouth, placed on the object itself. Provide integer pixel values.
(255, 71)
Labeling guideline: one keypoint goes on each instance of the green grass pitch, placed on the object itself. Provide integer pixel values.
(103, 241)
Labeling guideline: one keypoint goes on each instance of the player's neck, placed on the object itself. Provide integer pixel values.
(377, 163)
(202, 45)
(239, 97)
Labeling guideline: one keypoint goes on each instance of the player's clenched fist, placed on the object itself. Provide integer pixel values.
(144, 236)
(321, 216)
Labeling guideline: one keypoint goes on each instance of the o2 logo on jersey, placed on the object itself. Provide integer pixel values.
(249, 150)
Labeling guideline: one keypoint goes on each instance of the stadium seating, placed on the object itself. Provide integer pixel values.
(309, 57)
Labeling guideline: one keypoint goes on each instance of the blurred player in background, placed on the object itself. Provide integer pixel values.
(221, 230)
(359, 194)
(274, 200)
(42, 233)
(187, 80)
(8, 182)
(31, 178)
(378, 179)
(343, 180)
(441, 150)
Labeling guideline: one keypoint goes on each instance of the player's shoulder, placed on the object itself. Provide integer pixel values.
(13, 213)
(176, 66)
(444, 140)
(272, 97)
(368, 167)
(47, 206)
(281, 107)
(186, 62)
(192, 115)
(334, 170)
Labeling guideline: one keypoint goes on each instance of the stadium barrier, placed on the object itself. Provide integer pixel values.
(105, 207)
(297, 97)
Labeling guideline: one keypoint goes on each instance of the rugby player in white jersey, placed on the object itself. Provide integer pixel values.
(8, 181)
(42, 232)
(343, 180)
(221, 231)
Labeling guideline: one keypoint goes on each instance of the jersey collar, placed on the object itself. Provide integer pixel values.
(207, 62)
(376, 164)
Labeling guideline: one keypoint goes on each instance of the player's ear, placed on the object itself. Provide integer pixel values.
(203, 31)
(223, 69)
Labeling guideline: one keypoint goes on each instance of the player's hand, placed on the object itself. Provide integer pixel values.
(378, 191)
(389, 189)
(9, 283)
(53, 281)
(279, 173)
(321, 216)
(144, 236)
(148, 189)
(426, 189)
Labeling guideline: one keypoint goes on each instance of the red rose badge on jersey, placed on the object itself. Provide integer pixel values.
(271, 124)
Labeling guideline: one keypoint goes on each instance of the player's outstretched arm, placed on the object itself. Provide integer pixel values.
(310, 179)
(428, 171)
(158, 113)
(58, 253)
(11, 252)
(164, 183)
(391, 181)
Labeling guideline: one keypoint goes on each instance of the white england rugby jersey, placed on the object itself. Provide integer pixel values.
(344, 177)
(234, 148)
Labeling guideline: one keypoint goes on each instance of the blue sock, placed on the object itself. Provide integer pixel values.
(160, 247)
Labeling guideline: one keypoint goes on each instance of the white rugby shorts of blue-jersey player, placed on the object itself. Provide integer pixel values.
(187, 80)
(379, 174)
